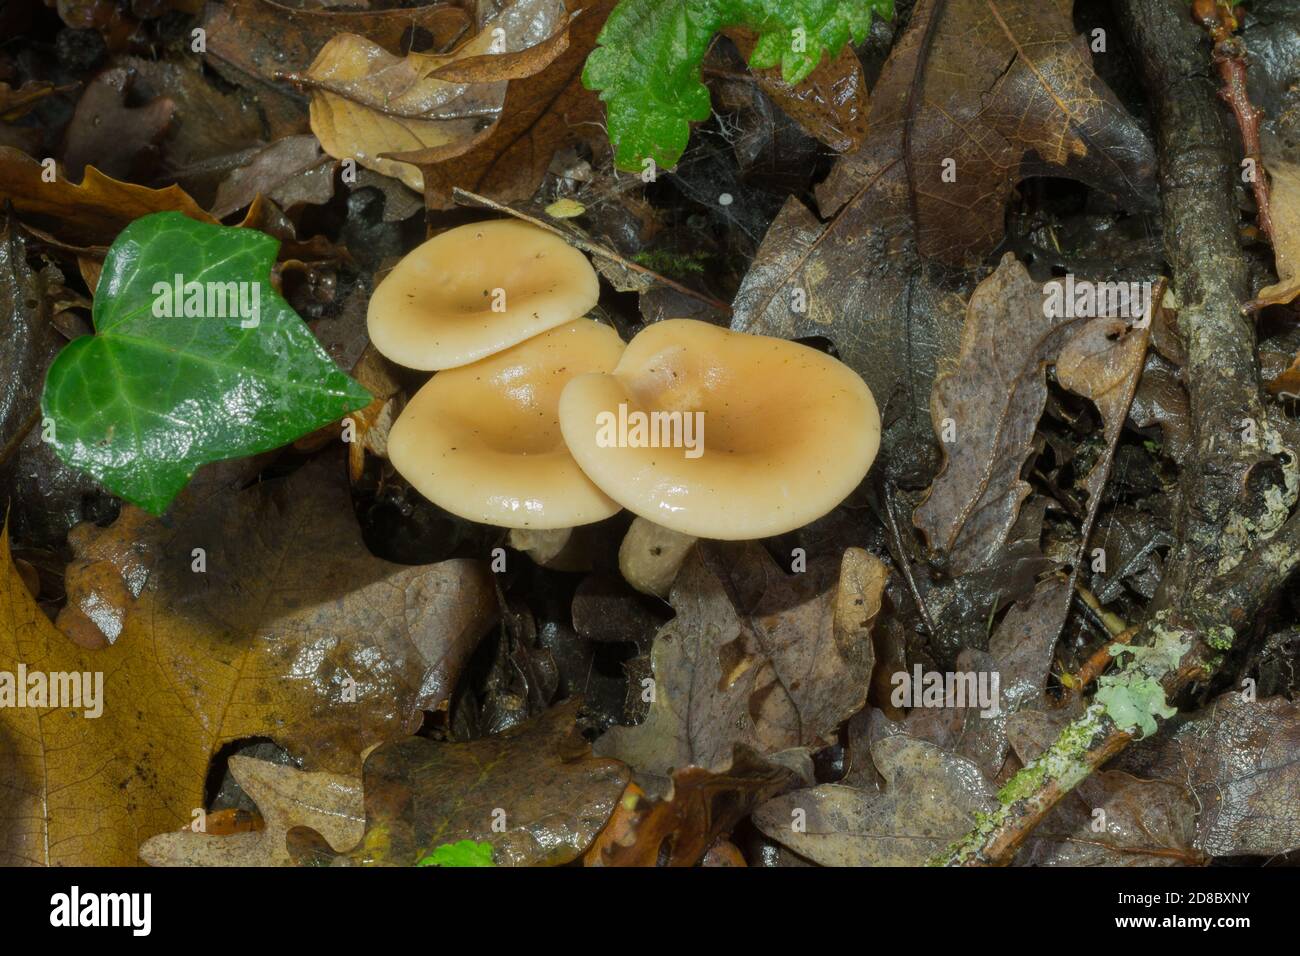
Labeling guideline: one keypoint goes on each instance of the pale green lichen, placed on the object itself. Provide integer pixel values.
(1240, 532)
(1133, 696)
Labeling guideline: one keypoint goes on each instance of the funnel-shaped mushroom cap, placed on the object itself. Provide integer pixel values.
(484, 442)
(771, 434)
(474, 290)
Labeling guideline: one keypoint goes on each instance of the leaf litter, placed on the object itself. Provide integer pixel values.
(889, 203)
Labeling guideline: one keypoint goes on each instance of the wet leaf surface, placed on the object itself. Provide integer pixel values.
(289, 620)
(929, 798)
(1239, 760)
(1112, 818)
(754, 657)
(972, 505)
(286, 797)
(538, 780)
(678, 829)
(249, 378)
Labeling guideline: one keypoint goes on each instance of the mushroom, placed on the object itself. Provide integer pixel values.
(483, 441)
(475, 290)
(764, 435)
(651, 555)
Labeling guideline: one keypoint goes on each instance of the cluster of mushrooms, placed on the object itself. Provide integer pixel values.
(506, 431)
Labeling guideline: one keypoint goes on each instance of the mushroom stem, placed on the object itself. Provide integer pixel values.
(557, 549)
(651, 555)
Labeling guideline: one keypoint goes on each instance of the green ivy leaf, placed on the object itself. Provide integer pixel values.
(646, 64)
(464, 853)
(151, 397)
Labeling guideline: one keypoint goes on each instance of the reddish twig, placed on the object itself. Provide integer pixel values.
(1220, 20)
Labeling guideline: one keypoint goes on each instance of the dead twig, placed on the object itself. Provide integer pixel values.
(1219, 19)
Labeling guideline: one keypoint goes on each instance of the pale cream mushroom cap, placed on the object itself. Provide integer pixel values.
(483, 441)
(789, 432)
(434, 310)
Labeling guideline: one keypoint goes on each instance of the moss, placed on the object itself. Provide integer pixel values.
(671, 263)
(1220, 638)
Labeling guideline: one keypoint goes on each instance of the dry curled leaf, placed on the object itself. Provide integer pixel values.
(286, 797)
(369, 105)
(539, 116)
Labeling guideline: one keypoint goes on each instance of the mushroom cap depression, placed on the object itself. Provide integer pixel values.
(435, 309)
(788, 432)
(483, 441)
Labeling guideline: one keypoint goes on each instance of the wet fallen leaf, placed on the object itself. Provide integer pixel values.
(1131, 540)
(286, 797)
(1102, 361)
(120, 140)
(830, 104)
(290, 171)
(753, 657)
(1111, 818)
(1003, 90)
(929, 799)
(680, 827)
(213, 125)
(289, 629)
(44, 497)
(538, 780)
(985, 414)
(993, 93)
(1239, 759)
(1161, 400)
(1020, 653)
(90, 213)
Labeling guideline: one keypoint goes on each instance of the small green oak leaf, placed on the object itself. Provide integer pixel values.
(646, 64)
(464, 853)
(153, 394)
